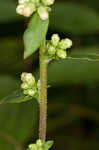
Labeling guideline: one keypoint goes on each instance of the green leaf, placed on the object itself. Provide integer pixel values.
(81, 66)
(17, 122)
(74, 18)
(34, 34)
(48, 145)
(15, 97)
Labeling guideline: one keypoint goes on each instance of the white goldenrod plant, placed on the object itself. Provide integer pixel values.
(55, 48)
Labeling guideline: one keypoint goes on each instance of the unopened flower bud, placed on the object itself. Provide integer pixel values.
(39, 143)
(65, 43)
(26, 9)
(40, 148)
(55, 39)
(32, 147)
(23, 76)
(31, 92)
(51, 50)
(23, 1)
(48, 2)
(25, 92)
(19, 9)
(28, 78)
(24, 86)
(43, 13)
(35, 1)
(61, 53)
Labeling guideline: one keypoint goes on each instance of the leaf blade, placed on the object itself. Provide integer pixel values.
(34, 34)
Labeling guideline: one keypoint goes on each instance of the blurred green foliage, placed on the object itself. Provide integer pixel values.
(73, 108)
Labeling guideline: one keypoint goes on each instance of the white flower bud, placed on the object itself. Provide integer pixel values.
(39, 143)
(26, 9)
(55, 39)
(43, 13)
(35, 1)
(48, 2)
(23, 1)
(40, 148)
(19, 9)
(23, 76)
(61, 53)
(31, 92)
(25, 92)
(51, 50)
(32, 147)
(24, 86)
(28, 78)
(65, 43)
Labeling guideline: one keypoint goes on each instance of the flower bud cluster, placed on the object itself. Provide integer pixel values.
(28, 7)
(29, 85)
(56, 48)
(39, 145)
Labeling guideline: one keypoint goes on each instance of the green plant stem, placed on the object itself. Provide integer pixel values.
(43, 93)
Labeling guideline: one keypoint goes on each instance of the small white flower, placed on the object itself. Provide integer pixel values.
(39, 143)
(65, 43)
(23, 1)
(26, 9)
(23, 76)
(43, 13)
(68, 42)
(19, 9)
(48, 2)
(35, 1)
(61, 53)
(24, 86)
(32, 147)
(55, 39)
(31, 92)
(51, 50)
(28, 78)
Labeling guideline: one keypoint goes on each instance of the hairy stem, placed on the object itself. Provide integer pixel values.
(43, 93)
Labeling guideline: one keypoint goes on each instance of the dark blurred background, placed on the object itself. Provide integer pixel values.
(73, 98)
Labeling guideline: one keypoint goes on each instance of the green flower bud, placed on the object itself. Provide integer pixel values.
(25, 92)
(43, 12)
(24, 86)
(39, 143)
(61, 53)
(28, 78)
(31, 92)
(32, 147)
(55, 39)
(23, 76)
(65, 43)
(23, 1)
(40, 148)
(35, 1)
(48, 2)
(51, 50)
